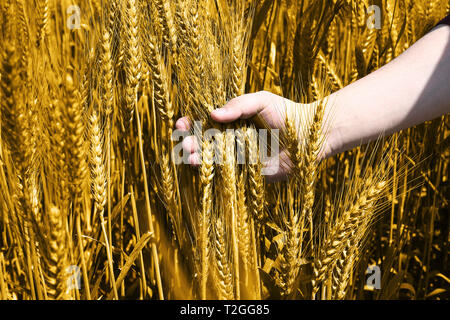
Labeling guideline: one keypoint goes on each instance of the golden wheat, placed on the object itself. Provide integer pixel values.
(103, 99)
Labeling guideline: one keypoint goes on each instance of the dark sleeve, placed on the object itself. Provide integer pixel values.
(445, 21)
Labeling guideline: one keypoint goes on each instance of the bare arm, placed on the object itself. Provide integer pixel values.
(413, 88)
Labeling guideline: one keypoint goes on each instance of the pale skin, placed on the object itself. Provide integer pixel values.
(411, 89)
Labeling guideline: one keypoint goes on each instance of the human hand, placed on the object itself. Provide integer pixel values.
(268, 107)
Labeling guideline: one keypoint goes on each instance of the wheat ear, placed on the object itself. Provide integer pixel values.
(206, 180)
(24, 38)
(160, 78)
(169, 194)
(312, 149)
(243, 220)
(292, 248)
(132, 58)
(75, 128)
(57, 255)
(42, 20)
(96, 162)
(229, 184)
(223, 269)
(108, 74)
(336, 238)
(165, 21)
(256, 180)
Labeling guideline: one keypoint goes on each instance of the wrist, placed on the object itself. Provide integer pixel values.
(302, 115)
(332, 128)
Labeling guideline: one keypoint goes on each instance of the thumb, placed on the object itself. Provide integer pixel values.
(243, 107)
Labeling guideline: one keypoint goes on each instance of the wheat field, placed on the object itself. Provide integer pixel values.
(94, 206)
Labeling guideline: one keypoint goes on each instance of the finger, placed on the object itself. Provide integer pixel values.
(277, 168)
(194, 159)
(242, 107)
(183, 124)
(190, 144)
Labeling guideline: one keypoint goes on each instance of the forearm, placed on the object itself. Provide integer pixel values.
(411, 89)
